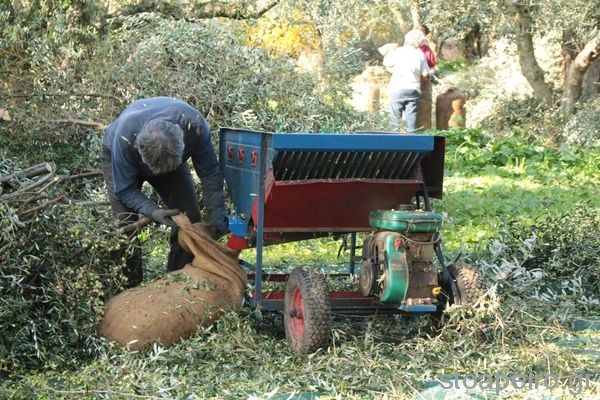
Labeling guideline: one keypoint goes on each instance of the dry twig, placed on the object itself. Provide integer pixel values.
(27, 213)
(89, 174)
(136, 226)
(90, 203)
(73, 121)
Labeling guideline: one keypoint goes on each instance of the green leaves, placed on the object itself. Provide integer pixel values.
(210, 65)
(55, 272)
(564, 246)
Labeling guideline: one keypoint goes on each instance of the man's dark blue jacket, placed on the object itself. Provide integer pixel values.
(127, 166)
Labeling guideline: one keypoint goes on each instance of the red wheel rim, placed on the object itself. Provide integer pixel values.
(297, 315)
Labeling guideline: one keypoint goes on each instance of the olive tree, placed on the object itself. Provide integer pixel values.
(575, 22)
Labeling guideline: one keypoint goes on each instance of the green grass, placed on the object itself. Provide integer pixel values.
(452, 65)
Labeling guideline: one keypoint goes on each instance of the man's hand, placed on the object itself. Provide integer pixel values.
(163, 216)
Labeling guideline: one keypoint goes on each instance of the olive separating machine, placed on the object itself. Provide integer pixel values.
(296, 186)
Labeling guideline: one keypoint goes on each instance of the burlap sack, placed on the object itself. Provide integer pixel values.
(450, 109)
(173, 307)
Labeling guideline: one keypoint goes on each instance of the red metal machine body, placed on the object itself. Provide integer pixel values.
(288, 187)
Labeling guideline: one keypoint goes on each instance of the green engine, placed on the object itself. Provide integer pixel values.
(397, 264)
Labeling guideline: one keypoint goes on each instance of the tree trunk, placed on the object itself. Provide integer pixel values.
(529, 65)
(568, 51)
(579, 66)
(415, 12)
(590, 87)
(472, 43)
(439, 47)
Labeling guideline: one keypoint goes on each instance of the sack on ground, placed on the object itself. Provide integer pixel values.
(172, 308)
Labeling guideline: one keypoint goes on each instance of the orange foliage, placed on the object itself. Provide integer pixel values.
(283, 37)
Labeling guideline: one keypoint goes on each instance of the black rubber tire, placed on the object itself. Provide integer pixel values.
(316, 332)
(470, 288)
(469, 282)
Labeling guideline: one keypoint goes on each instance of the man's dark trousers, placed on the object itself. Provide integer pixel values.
(176, 189)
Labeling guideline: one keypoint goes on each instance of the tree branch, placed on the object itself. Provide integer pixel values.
(589, 53)
(89, 174)
(72, 121)
(30, 172)
(27, 188)
(28, 213)
(90, 203)
(58, 94)
(568, 51)
(32, 199)
(221, 9)
(47, 185)
(204, 10)
(136, 226)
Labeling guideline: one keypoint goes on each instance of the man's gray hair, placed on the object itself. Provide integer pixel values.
(160, 144)
(414, 38)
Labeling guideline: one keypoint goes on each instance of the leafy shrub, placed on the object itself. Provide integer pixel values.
(205, 63)
(583, 127)
(468, 151)
(56, 272)
(515, 112)
(208, 65)
(564, 247)
(531, 119)
(446, 67)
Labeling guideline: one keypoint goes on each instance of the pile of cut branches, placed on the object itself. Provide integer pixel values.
(55, 268)
(32, 197)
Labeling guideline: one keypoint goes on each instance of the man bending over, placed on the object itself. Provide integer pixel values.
(151, 141)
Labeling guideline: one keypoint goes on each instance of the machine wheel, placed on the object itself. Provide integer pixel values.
(470, 289)
(306, 312)
(469, 282)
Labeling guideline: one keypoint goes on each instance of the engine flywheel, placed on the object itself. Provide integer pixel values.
(369, 274)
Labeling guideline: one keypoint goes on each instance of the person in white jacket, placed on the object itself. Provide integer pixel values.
(408, 66)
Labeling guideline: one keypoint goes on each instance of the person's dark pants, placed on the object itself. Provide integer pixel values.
(176, 190)
(404, 101)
